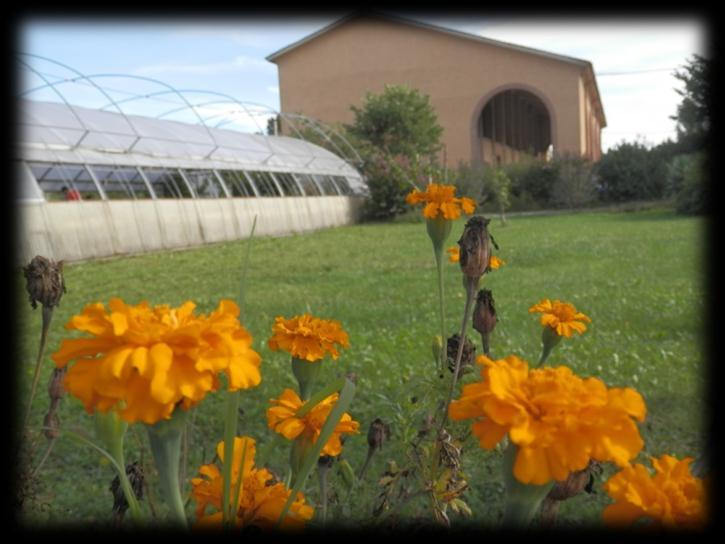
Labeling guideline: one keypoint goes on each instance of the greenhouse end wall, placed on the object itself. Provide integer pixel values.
(80, 230)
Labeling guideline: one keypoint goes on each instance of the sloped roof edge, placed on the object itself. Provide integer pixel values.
(403, 20)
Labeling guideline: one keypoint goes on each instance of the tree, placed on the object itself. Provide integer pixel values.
(399, 122)
(693, 115)
(397, 133)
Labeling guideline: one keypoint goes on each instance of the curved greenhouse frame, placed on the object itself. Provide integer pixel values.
(96, 183)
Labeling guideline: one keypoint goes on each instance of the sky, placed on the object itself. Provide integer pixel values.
(633, 59)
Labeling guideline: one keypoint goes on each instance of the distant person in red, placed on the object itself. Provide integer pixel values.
(70, 194)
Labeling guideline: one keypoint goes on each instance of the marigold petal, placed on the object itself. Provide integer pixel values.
(71, 349)
(531, 466)
(488, 432)
(161, 358)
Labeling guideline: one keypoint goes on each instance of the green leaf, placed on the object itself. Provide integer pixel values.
(320, 396)
(346, 395)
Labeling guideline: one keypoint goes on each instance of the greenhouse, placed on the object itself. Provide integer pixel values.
(97, 183)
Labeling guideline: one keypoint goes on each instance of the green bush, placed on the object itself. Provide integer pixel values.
(631, 171)
(574, 185)
(388, 186)
(686, 183)
(531, 181)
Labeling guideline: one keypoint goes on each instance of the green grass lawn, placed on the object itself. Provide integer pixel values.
(639, 276)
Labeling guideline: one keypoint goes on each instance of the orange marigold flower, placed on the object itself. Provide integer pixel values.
(282, 419)
(145, 360)
(561, 317)
(494, 263)
(307, 337)
(673, 497)
(261, 498)
(441, 202)
(558, 420)
(454, 254)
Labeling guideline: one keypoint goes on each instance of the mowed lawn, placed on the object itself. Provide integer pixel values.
(639, 276)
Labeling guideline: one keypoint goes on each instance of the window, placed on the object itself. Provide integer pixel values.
(52, 178)
(120, 182)
(264, 183)
(166, 183)
(342, 184)
(328, 186)
(308, 184)
(204, 183)
(289, 186)
(237, 183)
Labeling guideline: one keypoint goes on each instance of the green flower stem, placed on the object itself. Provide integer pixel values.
(438, 230)
(441, 309)
(120, 469)
(522, 500)
(471, 285)
(47, 317)
(111, 429)
(165, 441)
(322, 473)
(300, 448)
(306, 374)
(549, 339)
(231, 415)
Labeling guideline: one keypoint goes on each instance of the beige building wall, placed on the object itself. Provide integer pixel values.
(324, 76)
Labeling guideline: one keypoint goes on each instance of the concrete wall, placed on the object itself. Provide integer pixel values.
(81, 230)
(323, 77)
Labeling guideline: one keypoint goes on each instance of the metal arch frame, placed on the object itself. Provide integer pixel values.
(80, 76)
(89, 79)
(191, 106)
(319, 125)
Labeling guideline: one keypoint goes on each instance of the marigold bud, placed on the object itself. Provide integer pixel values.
(51, 424)
(467, 356)
(377, 433)
(44, 281)
(56, 390)
(484, 316)
(475, 249)
(573, 485)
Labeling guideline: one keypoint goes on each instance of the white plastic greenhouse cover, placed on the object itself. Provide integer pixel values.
(55, 132)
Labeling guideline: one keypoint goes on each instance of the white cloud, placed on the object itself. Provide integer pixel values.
(273, 89)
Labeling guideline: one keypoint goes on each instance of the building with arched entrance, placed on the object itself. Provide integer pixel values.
(497, 102)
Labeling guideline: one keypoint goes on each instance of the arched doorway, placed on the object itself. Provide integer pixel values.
(513, 124)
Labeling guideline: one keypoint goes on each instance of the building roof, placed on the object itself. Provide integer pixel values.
(59, 132)
(584, 64)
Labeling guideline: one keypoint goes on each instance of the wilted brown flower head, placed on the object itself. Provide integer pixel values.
(325, 461)
(484, 312)
(475, 250)
(467, 357)
(44, 281)
(574, 484)
(135, 478)
(55, 384)
(378, 432)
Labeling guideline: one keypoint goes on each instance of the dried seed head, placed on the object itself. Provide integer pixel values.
(378, 432)
(44, 281)
(475, 250)
(56, 390)
(467, 357)
(484, 312)
(325, 462)
(573, 485)
(51, 424)
(135, 478)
